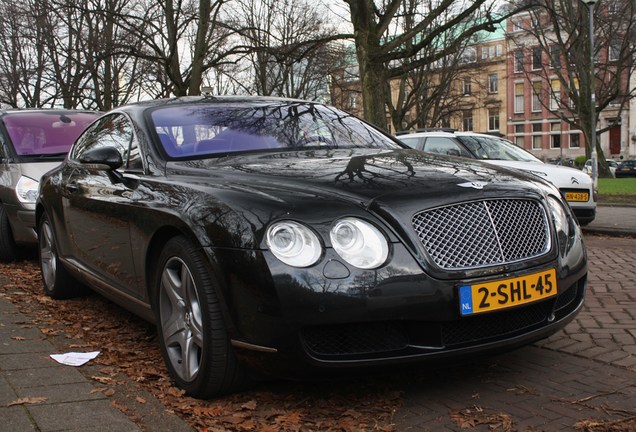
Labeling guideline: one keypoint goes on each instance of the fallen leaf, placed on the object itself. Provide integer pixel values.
(103, 380)
(28, 401)
(251, 405)
(18, 338)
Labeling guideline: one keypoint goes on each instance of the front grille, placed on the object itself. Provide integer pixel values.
(478, 328)
(368, 338)
(483, 233)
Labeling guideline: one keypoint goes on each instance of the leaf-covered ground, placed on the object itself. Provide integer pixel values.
(129, 346)
(130, 366)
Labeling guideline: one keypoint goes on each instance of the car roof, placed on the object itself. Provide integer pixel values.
(443, 133)
(13, 111)
(184, 100)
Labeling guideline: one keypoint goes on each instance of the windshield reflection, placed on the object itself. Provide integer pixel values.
(496, 148)
(193, 131)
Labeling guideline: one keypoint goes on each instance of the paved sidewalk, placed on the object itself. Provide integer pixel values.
(39, 394)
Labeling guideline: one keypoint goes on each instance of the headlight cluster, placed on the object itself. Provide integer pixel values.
(559, 215)
(27, 190)
(294, 244)
(356, 241)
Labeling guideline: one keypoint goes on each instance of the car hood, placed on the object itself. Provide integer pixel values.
(363, 176)
(560, 176)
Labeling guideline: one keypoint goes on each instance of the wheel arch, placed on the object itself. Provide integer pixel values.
(156, 245)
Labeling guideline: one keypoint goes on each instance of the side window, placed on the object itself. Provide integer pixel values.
(110, 131)
(134, 157)
(412, 142)
(443, 145)
(3, 151)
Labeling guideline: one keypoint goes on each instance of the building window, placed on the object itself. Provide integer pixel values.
(575, 140)
(536, 96)
(555, 56)
(493, 83)
(517, 25)
(519, 98)
(484, 53)
(499, 50)
(353, 101)
(536, 136)
(536, 58)
(574, 88)
(534, 19)
(469, 55)
(467, 120)
(614, 7)
(555, 135)
(614, 50)
(519, 135)
(493, 119)
(519, 138)
(466, 86)
(518, 61)
(555, 96)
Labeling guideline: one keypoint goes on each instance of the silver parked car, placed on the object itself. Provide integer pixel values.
(32, 142)
(574, 185)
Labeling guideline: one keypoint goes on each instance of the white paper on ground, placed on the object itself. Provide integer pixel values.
(74, 358)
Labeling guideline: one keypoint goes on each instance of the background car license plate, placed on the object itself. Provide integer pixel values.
(577, 196)
(505, 293)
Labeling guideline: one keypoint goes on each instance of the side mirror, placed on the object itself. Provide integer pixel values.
(453, 152)
(106, 158)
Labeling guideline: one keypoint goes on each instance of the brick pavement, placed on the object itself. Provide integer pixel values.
(38, 394)
(586, 373)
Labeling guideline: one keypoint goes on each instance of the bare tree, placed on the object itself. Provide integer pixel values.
(183, 39)
(22, 57)
(560, 33)
(428, 94)
(288, 43)
(381, 50)
(116, 77)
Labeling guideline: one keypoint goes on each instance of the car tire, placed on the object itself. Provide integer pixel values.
(57, 281)
(192, 332)
(9, 250)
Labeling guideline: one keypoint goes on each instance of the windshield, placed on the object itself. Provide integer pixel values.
(195, 130)
(486, 147)
(45, 133)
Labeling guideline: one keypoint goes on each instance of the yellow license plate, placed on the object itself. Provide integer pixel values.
(506, 293)
(577, 196)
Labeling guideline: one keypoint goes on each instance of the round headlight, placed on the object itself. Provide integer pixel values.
(27, 190)
(293, 243)
(359, 243)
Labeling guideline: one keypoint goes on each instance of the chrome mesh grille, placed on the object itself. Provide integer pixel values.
(483, 233)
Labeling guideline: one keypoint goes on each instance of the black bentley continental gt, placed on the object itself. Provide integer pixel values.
(284, 237)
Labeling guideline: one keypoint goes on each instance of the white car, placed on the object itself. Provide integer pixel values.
(575, 185)
(587, 168)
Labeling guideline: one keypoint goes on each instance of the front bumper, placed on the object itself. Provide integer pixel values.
(306, 320)
(22, 222)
